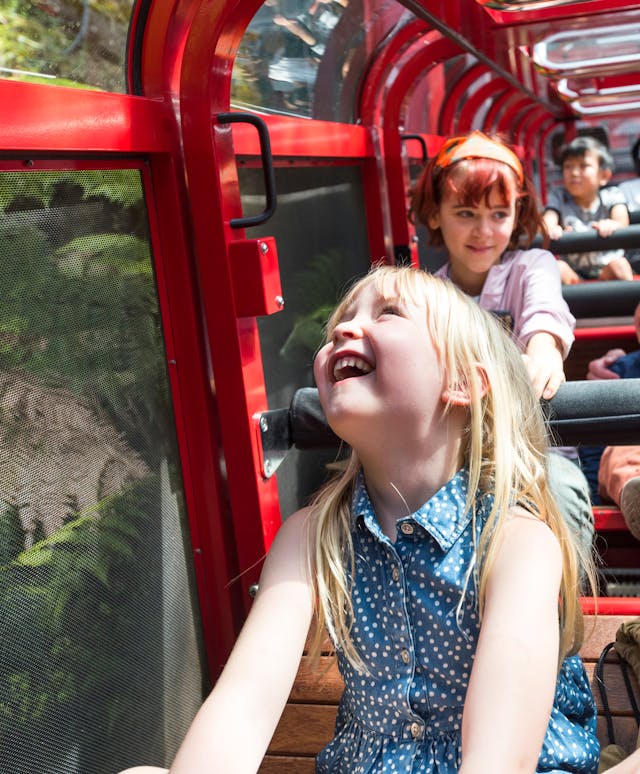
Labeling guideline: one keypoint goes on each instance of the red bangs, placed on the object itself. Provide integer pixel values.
(472, 181)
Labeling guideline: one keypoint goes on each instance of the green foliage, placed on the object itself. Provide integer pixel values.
(40, 38)
(104, 255)
(84, 313)
(11, 534)
(312, 295)
(60, 599)
(43, 189)
(320, 282)
(306, 336)
(79, 316)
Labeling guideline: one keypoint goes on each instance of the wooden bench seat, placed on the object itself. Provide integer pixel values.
(308, 720)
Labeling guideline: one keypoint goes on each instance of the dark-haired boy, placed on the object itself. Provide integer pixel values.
(583, 204)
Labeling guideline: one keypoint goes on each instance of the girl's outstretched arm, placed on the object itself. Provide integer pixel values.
(233, 727)
(513, 679)
(543, 358)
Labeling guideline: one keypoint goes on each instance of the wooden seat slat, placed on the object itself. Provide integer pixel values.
(317, 686)
(326, 647)
(304, 729)
(616, 690)
(626, 731)
(593, 343)
(599, 631)
(285, 764)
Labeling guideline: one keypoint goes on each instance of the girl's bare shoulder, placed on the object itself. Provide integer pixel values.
(527, 536)
(528, 559)
(297, 526)
(291, 549)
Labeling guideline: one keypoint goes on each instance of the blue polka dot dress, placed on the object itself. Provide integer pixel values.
(418, 642)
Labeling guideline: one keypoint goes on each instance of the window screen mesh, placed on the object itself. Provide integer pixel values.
(100, 664)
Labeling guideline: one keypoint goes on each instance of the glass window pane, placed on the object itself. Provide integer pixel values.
(305, 57)
(320, 230)
(81, 44)
(100, 664)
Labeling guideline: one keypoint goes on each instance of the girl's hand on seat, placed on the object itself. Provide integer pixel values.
(543, 360)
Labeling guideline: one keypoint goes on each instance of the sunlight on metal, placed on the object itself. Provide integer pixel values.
(602, 94)
(590, 107)
(527, 5)
(580, 51)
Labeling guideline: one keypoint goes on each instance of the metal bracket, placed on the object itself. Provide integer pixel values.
(274, 430)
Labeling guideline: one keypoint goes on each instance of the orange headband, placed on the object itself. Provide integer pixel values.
(477, 146)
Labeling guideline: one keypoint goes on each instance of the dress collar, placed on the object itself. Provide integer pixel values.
(444, 516)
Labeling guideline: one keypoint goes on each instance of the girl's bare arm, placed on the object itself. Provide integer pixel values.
(234, 726)
(513, 679)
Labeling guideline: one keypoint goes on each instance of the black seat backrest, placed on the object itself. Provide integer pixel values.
(605, 411)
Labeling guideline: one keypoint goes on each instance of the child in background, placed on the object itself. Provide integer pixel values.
(437, 561)
(474, 198)
(618, 469)
(631, 188)
(585, 204)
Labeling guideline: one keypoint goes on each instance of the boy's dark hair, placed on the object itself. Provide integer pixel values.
(580, 145)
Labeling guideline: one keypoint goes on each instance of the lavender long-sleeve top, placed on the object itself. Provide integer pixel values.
(526, 286)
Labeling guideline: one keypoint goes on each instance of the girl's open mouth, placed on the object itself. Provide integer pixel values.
(350, 366)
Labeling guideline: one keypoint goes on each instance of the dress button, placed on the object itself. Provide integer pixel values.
(416, 730)
(405, 656)
(395, 574)
(407, 528)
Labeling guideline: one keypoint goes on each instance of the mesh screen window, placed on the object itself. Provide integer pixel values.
(100, 657)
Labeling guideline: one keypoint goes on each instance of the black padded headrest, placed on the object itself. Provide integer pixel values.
(586, 412)
(615, 298)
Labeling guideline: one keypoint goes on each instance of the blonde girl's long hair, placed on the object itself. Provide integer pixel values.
(504, 448)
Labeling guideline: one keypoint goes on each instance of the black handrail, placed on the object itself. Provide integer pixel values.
(267, 168)
(606, 411)
(589, 241)
(614, 298)
(418, 138)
